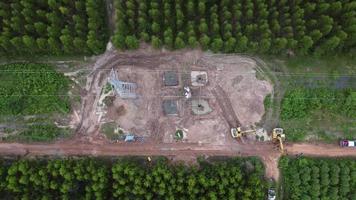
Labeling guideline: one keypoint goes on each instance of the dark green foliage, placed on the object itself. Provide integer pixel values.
(316, 178)
(221, 180)
(263, 26)
(95, 179)
(55, 179)
(52, 27)
(300, 102)
(29, 89)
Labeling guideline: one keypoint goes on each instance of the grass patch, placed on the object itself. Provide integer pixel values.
(112, 131)
(319, 100)
(343, 64)
(39, 133)
(31, 96)
(267, 101)
(28, 89)
(318, 114)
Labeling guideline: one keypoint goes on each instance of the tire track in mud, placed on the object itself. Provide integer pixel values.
(226, 107)
(89, 124)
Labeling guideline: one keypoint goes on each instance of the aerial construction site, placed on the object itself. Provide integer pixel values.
(177, 99)
(170, 97)
(181, 104)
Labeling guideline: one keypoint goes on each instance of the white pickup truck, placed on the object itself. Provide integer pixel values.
(348, 143)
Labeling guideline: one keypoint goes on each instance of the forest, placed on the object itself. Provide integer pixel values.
(128, 178)
(318, 178)
(35, 90)
(253, 26)
(53, 27)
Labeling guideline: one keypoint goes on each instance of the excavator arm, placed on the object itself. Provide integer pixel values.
(237, 133)
(281, 147)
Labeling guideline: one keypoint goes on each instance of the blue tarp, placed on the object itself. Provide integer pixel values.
(129, 138)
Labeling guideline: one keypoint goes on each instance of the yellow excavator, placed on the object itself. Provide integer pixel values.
(279, 136)
(238, 133)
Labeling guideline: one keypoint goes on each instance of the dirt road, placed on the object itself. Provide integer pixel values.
(321, 150)
(265, 151)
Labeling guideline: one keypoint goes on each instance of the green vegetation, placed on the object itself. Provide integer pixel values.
(39, 132)
(320, 113)
(28, 89)
(112, 131)
(124, 179)
(317, 178)
(300, 102)
(317, 97)
(179, 134)
(262, 26)
(34, 90)
(52, 27)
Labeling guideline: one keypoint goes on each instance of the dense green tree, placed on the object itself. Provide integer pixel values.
(37, 21)
(301, 27)
(316, 178)
(131, 42)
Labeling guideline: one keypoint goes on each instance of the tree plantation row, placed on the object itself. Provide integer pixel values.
(124, 179)
(52, 27)
(308, 178)
(252, 26)
(262, 26)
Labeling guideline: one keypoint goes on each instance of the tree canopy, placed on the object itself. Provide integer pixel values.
(317, 178)
(128, 179)
(52, 27)
(252, 26)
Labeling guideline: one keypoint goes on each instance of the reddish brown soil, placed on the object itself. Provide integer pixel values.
(178, 151)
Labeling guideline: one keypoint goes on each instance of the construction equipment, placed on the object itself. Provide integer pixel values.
(187, 92)
(279, 136)
(271, 194)
(238, 133)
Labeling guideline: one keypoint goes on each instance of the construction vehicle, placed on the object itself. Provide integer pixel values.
(271, 194)
(279, 136)
(238, 133)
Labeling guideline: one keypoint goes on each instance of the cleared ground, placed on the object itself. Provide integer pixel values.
(233, 93)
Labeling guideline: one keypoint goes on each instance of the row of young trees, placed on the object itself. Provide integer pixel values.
(52, 27)
(315, 178)
(263, 26)
(95, 179)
